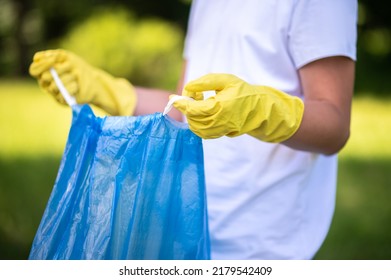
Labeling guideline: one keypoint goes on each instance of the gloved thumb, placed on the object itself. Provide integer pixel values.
(179, 102)
(196, 95)
(190, 107)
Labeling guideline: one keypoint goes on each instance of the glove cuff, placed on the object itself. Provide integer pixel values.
(117, 96)
(276, 130)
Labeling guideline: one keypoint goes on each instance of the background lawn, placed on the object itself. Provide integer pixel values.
(34, 128)
(361, 228)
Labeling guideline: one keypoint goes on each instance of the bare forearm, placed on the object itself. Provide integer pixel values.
(328, 89)
(323, 129)
(150, 101)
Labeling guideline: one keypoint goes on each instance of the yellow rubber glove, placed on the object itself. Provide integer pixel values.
(238, 108)
(86, 83)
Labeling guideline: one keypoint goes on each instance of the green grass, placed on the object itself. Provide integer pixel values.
(361, 227)
(32, 123)
(34, 128)
(33, 132)
(370, 129)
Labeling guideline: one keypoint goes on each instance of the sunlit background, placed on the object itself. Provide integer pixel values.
(143, 42)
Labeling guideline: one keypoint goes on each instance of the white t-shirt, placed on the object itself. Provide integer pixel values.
(267, 201)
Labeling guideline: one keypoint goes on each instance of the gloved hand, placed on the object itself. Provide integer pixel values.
(83, 81)
(238, 107)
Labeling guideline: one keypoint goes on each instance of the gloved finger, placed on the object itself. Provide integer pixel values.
(46, 78)
(55, 92)
(45, 84)
(44, 60)
(198, 108)
(58, 55)
(42, 55)
(59, 98)
(212, 81)
(38, 67)
(63, 67)
(52, 88)
(179, 104)
(69, 82)
(194, 95)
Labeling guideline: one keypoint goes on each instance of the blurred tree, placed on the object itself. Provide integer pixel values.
(147, 51)
(374, 47)
(12, 42)
(172, 10)
(27, 26)
(22, 7)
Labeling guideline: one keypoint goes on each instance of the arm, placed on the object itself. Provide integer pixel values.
(150, 101)
(328, 89)
(154, 100)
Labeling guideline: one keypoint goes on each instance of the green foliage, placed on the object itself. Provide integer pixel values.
(148, 52)
(373, 48)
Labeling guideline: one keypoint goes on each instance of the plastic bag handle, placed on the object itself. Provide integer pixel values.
(69, 99)
(172, 100)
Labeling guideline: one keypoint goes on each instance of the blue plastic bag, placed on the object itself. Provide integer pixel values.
(127, 188)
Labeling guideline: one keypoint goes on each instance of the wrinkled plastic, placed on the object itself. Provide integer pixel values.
(127, 188)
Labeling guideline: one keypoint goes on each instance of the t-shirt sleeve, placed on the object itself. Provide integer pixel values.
(323, 28)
